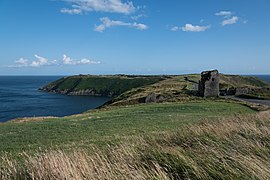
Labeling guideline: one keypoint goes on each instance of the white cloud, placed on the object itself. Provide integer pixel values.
(41, 61)
(228, 18)
(22, 62)
(192, 28)
(175, 28)
(68, 61)
(112, 6)
(71, 11)
(100, 28)
(107, 23)
(87, 61)
(232, 20)
(224, 13)
(19, 63)
(137, 17)
(139, 26)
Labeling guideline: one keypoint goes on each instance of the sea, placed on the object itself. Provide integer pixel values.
(263, 77)
(20, 97)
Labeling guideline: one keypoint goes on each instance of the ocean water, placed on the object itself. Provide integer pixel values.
(264, 77)
(19, 97)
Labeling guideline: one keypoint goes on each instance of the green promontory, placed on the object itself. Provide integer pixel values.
(127, 89)
(99, 85)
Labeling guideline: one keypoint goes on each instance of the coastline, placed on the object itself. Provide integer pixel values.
(129, 97)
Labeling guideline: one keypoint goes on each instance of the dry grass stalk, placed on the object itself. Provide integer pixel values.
(119, 164)
(225, 149)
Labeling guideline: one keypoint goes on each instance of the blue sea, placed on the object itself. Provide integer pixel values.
(20, 97)
(264, 77)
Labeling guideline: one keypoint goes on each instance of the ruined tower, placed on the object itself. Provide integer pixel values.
(209, 84)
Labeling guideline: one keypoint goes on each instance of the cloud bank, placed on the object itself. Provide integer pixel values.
(107, 23)
(232, 20)
(71, 11)
(111, 6)
(68, 61)
(41, 61)
(228, 18)
(191, 28)
(224, 13)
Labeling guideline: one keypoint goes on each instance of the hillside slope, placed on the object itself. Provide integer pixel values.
(128, 90)
(207, 140)
(182, 88)
(99, 85)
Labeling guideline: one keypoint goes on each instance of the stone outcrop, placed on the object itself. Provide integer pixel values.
(209, 84)
(242, 91)
(153, 98)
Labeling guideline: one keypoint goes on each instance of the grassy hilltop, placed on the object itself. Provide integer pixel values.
(185, 137)
(99, 85)
(134, 89)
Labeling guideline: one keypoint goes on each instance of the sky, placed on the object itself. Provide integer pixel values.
(67, 37)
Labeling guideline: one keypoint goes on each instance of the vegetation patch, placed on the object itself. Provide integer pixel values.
(109, 126)
(234, 148)
(100, 85)
(228, 148)
(128, 90)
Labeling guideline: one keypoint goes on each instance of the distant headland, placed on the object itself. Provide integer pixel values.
(134, 89)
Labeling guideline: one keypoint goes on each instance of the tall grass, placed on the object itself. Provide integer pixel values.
(120, 163)
(235, 148)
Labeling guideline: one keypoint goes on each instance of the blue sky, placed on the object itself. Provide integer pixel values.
(64, 37)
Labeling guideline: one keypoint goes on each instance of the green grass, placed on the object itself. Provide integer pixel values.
(102, 85)
(109, 126)
(231, 148)
(134, 89)
(242, 81)
(178, 89)
(115, 84)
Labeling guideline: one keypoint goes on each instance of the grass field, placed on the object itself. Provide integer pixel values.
(109, 126)
(101, 85)
(128, 90)
(195, 140)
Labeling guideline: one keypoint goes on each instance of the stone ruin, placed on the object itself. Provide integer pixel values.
(209, 84)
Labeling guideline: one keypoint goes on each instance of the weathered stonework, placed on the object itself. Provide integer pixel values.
(209, 84)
